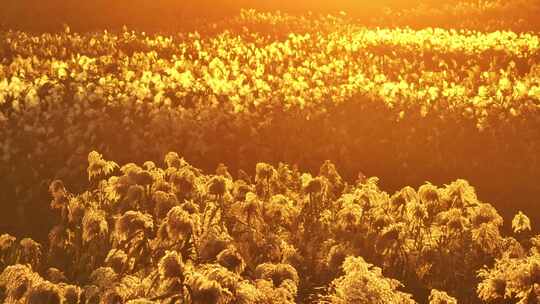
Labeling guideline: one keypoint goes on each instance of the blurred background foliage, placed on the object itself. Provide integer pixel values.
(174, 15)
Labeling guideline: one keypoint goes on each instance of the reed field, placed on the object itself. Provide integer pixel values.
(351, 154)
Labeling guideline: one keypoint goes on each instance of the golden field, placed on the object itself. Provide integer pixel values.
(439, 102)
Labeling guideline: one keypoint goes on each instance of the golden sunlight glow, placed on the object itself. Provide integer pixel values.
(346, 152)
